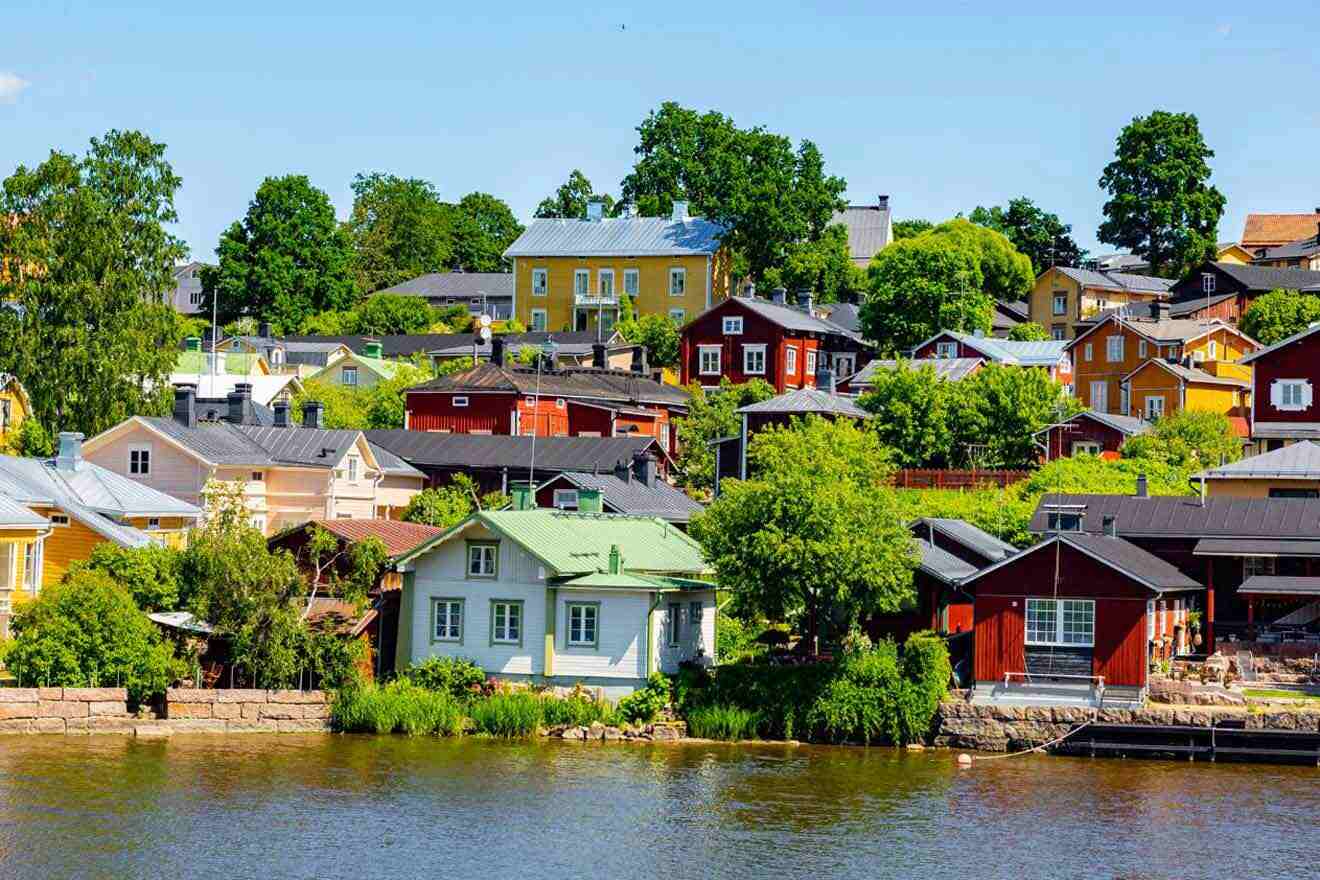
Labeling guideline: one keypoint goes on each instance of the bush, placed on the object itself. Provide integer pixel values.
(150, 573)
(735, 639)
(723, 722)
(578, 709)
(457, 676)
(860, 702)
(645, 703)
(509, 715)
(87, 632)
(398, 707)
(926, 664)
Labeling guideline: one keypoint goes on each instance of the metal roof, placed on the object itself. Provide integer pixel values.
(16, 516)
(391, 463)
(1190, 516)
(1189, 374)
(264, 388)
(1125, 281)
(580, 383)
(632, 496)
(1128, 425)
(1298, 461)
(584, 454)
(570, 343)
(786, 316)
(846, 315)
(458, 284)
(869, 229)
(941, 563)
(1265, 278)
(1280, 585)
(1033, 353)
(953, 369)
(1306, 247)
(259, 445)
(971, 537)
(1116, 553)
(617, 237)
(1255, 547)
(809, 400)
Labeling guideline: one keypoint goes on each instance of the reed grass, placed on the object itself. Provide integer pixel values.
(514, 715)
(722, 721)
(398, 707)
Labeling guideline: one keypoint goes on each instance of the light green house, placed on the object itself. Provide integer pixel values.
(560, 597)
(358, 370)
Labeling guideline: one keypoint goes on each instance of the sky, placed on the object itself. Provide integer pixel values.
(941, 106)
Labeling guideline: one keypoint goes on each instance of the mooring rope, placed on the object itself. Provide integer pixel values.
(1040, 748)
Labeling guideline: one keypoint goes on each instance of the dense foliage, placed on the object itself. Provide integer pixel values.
(658, 333)
(400, 229)
(456, 676)
(365, 406)
(1279, 314)
(1187, 439)
(1043, 237)
(149, 573)
(1028, 331)
(447, 506)
(571, 197)
(712, 416)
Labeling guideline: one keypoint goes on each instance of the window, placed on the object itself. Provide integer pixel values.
(1290, 394)
(632, 282)
(195, 298)
(348, 376)
(583, 624)
(1058, 332)
(460, 401)
(678, 316)
(733, 326)
(258, 476)
(1254, 565)
(1100, 396)
(139, 461)
(607, 321)
(447, 620)
(1207, 283)
(675, 624)
(1067, 622)
(506, 622)
(843, 364)
(790, 360)
(1154, 407)
(1114, 349)
(1060, 304)
(483, 559)
(277, 356)
(1212, 350)
(153, 523)
(1141, 348)
(1087, 351)
(605, 283)
(58, 519)
(694, 620)
(946, 349)
(566, 499)
(33, 562)
(1063, 521)
(1085, 447)
(540, 282)
(811, 362)
(6, 413)
(677, 282)
(352, 468)
(754, 360)
(709, 360)
(581, 282)
(539, 320)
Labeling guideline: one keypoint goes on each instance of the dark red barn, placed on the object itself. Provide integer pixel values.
(1284, 378)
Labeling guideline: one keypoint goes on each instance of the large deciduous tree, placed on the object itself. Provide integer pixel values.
(484, 227)
(911, 405)
(1043, 237)
(712, 417)
(1279, 314)
(400, 228)
(1162, 205)
(287, 259)
(997, 412)
(815, 534)
(570, 199)
(85, 261)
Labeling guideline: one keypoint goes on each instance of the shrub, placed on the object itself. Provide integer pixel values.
(859, 702)
(457, 676)
(150, 573)
(509, 715)
(87, 632)
(645, 703)
(578, 709)
(926, 664)
(723, 722)
(398, 707)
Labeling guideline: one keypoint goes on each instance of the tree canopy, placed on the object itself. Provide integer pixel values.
(571, 198)
(712, 417)
(400, 230)
(387, 313)
(288, 258)
(901, 229)
(484, 227)
(658, 333)
(1161, 204)
(87, 261)
(447, 506)
(1043, 237)
(1028, 331)
(1187, 439)
(1279, 314)
(911, 407)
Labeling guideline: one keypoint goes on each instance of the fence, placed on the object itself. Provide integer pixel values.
(937, 478)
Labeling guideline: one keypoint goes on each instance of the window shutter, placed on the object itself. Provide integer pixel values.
(1276, 394)
(1306, 395)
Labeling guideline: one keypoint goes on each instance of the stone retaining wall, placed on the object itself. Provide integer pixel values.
(198, 710)
(1012, 728)
(65, 710)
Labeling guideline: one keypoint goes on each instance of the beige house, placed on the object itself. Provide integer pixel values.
(1063, 296)
(288, 474)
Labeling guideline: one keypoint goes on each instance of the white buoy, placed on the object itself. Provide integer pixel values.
(964, 760)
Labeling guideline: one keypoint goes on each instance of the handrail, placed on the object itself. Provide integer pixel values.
(1098, 679)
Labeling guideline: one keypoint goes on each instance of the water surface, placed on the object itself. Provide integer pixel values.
(362, 807)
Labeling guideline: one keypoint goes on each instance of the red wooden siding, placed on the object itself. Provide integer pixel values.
(1300, 360)
(999, 636)
(589, 419)
(1120, 645)
(485, 413)
(1061, 440)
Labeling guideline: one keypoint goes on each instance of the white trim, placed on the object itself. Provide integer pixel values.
(601, 275)
(637, 276)
(459, 401)
(727, 329)
(544, 272)
(545, 320)
(563, 502)
(719, 360)
(139, 449)
(750, 349)
(681, 271)
(1063, 536)
(586, 288)
(1058, 640)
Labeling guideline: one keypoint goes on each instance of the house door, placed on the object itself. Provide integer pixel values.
(1100, 396)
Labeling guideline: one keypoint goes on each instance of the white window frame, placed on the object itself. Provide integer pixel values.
(454, 608)
(601, 275)
(139, 460)
(1103, 387)
(679, 274)
(1212, 350)
(344, 377)
(703, 352)
(811, 362)
(790, 360)
(584, 610)
(459, 401)
(1207, 282)
(1060, 304)
(1063, 611)
(1086, 447)
(540, 282)
(566, 499)
(1058, 334)
(946, 350)
(1151, 411)
(1114, 345)
(486, 556)
(581, 282)
(732, 325)
(845, 364)
(539, 326)
(674, 624)
(748, 351)
(34, 563)
(1254, 565)
(352, 468)
(153, 523)
(1087, 351)
(632, 282)
(1293, 395)
(678, 316)
(60, 520)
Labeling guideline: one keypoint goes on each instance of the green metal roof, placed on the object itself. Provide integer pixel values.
(579, 543)
(626, 581)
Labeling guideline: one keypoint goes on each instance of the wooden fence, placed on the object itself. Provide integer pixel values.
(936, 478)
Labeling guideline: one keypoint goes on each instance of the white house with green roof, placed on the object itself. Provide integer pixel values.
(558, 597)
(355, 370)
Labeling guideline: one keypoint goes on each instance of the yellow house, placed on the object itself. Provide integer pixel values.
(1064, 296)
(1291, 471)
(1232, 252)
(86, 505)
(357, 370)
(1158, 388)
(21, 535)
(15, 407)
(571, 274)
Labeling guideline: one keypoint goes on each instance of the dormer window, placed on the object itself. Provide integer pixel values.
(1064, 521)
(733, 326)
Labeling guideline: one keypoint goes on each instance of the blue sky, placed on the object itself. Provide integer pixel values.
(942, 109)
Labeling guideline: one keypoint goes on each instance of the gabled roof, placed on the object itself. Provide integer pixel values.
(806, 401)
(1149, 310)
(1306, 247)
(617, 237)
(1296, 337)
(1189, 516)
(385, 369)
(632, 496)
(264, 388)
(785, 316)
(953, 369)
(584, 454)
(1189, 374)
(977, 540)
(581, 383)
(1128, 425)
(391, 463)
(846, 315)
(457, 284)
(574, 343)
(1120, 281)
(1122, 556)
(1265, 230)
(399, 538)
(1280, 585)
(260, 446)
(1181, 330)
(1259, 279)
(1035, 353)
(869, 229)
(1298, 461)
(942, 564)
(16, 516)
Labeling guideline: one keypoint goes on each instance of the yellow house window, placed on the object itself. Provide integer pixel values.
(677, 282)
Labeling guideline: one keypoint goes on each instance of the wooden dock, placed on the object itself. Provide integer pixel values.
(1231, 741)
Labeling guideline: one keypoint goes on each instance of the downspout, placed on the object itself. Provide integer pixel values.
(551, 618)
(330, 496)
(710, 294)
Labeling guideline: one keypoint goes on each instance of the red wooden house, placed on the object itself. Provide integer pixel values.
(1093, 433)
(1071, 619)
(747, 338)
(1225, 290)
(1284, 378)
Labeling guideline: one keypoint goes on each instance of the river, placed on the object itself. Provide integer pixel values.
(321, 806)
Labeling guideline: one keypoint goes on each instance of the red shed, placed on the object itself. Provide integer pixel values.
(1071, 618)
(1284, 378)
(1094, 433)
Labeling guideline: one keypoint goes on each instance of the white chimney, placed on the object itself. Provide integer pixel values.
(69, 455)
(680, 211)
(595, 210)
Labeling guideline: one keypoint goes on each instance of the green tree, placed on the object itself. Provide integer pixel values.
(815, 534)
(1161, 202)
(919, 286)
(823, 266)
(149, 573)
(571, 198)
(1006, 274)
(365, 407)
(1187, 439)
(712, 417)
(89, 333)
(447, 506)
(1028, 331)
(287, 259)
(86, 632)
(901, 229)
(484, 227)
(1043, 237)
(386, 313)
(997, 411)
(328, 324)
(1279, 314)
(400, 229)
(911, 405)
(658, 333)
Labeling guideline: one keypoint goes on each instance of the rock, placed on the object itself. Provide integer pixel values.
(297, 697)
(97, 695)
(19, 695)
(110, 724)
(107, 707)
(11, 711)
(915, 747)
(665, 733)
(575, 733)
(242, 695)
(61, 708)
(612, 734)
(49, 725)
(153, 731)
(187, 710)
(199, 725)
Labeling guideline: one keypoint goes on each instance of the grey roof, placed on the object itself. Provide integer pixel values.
(585, 454)
(15, 515)
(971, 537)
(1116, 553)
(809, 400)
(1262, 278)
(262, 446)
(941, 563)
(846, 315)
(1296, 337)
(391, 463)
(1256, 547)
(617, 237)
(788, 317)
(1305, 247)
(1128, 425)
(1285, 430)
(587, 384)
(869, 229)
(435, 285)
(575, 343)
(1149, 310)
(1299, 461)
(1035, 353)
(1020, 309)
(1117, 261)
(953, 369)
(1111, 280)
(1279, 585)
(1191, 517)
(633, 496)
(454, 344)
